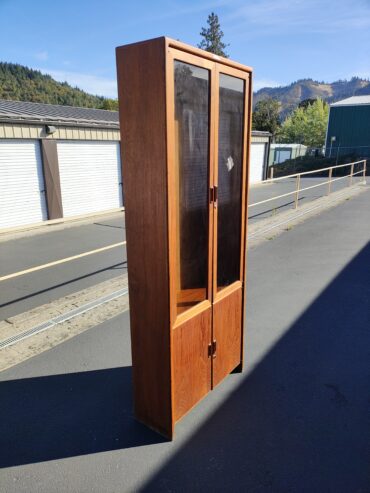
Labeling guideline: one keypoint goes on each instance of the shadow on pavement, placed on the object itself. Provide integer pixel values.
(272, 209)
(300, 422)
(60, 416)
(109, 225)
(120, 265)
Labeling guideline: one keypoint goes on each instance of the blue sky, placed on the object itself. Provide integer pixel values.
(282, 40)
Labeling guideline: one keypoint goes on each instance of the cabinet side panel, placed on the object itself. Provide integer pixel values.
(142, 106)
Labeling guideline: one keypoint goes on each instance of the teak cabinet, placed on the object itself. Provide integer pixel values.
(185, 133)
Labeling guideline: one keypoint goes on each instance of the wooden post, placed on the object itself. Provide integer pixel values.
(330, 177)
(298, 184)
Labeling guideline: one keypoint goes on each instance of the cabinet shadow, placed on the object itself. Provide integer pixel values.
(61, 416)
(300, 421)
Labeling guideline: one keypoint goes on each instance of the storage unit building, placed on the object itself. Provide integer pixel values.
(348, 131)
(96, 164)
(279, 153)
(22, 189)
(260, 148)
(62, 161)
(57, 161)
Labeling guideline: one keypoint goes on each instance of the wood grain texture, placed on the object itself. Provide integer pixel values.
(142, 107)
(50, 166)
(172, 367)
(191, 362)
(227, 331)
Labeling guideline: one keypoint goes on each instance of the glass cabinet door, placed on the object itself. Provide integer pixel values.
(191, 163)
(229, 183)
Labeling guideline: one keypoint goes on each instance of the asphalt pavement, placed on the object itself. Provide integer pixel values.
(31, 290)
(296, 420)
(23, 293)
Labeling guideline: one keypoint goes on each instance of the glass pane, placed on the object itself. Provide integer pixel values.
(191, 167)
(230, 150)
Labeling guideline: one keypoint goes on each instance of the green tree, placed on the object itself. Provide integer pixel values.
(212, 37)
(307, 125)
(266, 116)
(306, 102)
(110, 104)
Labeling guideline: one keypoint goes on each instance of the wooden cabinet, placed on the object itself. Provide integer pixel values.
(185, 132)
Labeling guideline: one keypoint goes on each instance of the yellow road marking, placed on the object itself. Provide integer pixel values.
(61, 261)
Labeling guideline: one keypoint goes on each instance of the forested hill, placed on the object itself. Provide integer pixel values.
(19, 83)
(290, 96)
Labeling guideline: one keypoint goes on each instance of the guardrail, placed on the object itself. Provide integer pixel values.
(298, 176)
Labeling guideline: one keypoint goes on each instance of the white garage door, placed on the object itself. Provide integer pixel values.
(257, 162)
(22, 193)
(90, 176)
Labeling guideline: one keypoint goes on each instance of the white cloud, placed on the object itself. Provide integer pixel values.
(41, 55)
(91, 83)
(303, 15)
(260, 83)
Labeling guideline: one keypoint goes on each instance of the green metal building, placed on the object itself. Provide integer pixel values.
(348, 131)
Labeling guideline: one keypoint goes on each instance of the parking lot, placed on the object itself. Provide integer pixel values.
(300, 408)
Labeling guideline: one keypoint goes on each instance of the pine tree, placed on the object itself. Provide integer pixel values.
(212, 37)
(265, 116)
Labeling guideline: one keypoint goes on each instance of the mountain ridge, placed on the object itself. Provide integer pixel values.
(292, 94)
(20, 83)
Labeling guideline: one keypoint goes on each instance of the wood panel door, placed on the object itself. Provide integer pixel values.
(229, 222)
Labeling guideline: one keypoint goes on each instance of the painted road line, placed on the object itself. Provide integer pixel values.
(61, 261)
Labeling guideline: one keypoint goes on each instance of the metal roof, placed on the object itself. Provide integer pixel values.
(22, 111)
(353, 101)
(261, 133)
(290, 146)
(51, 113)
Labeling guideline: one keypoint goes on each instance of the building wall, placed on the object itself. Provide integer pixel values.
(351, 127)
(279, 153)
(26, 131)
(49, 152)
(266, 140)
(19, 132)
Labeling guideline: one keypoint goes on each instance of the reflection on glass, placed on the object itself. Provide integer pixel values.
(191, 168)
(230, 149)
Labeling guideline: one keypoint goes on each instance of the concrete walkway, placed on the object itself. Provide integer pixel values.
(297, 420)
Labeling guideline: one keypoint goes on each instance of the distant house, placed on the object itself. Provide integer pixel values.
(349, 128)
(282, 152)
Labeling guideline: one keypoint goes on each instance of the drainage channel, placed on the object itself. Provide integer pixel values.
(62, 318)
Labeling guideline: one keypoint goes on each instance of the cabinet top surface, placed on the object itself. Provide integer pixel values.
(172, 43)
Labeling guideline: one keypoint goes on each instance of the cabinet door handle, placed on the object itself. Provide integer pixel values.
(215, 196)
(214, 348)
